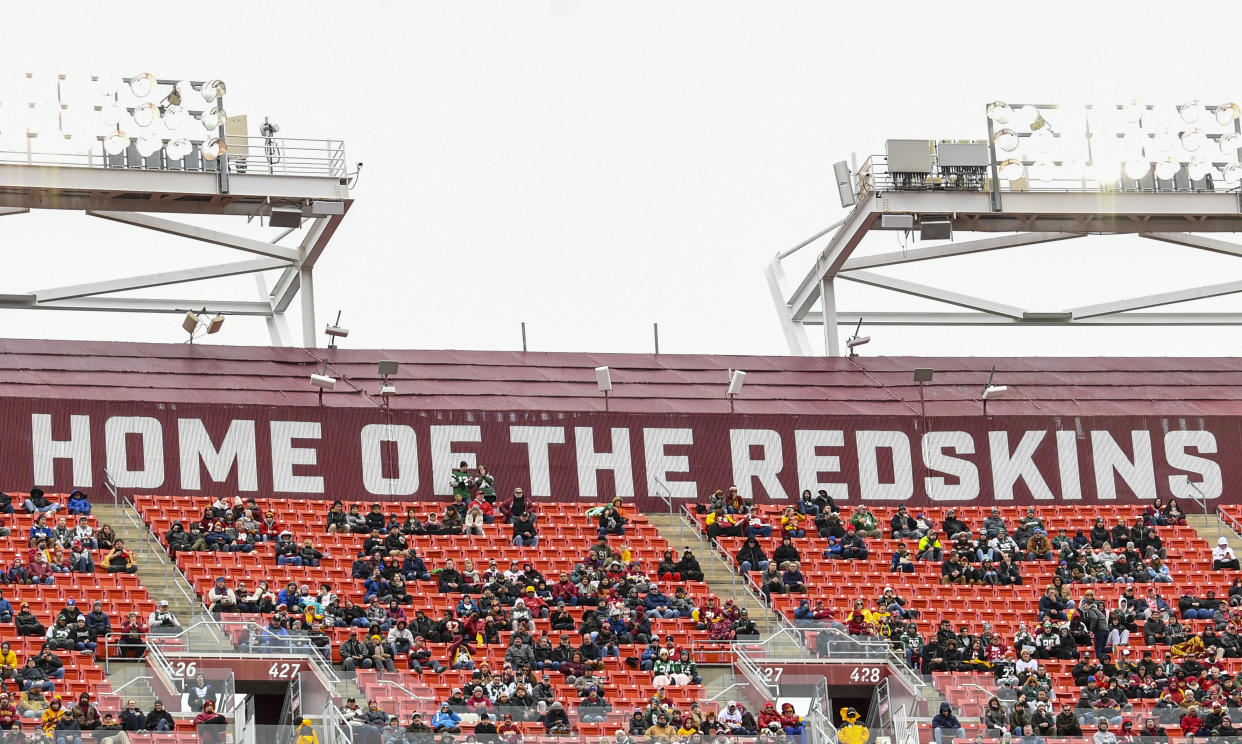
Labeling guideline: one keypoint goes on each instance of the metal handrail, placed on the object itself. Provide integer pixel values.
(117, 690)
(722, 692)
(411, 693)
(724, 558)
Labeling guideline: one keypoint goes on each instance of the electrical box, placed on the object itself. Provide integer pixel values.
(909, 156)
(962, 154)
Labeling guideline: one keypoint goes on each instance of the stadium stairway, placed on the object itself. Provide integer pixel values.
(160, 576)
(723, 581)
(1210, 527)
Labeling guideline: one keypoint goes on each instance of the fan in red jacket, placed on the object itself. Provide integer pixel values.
(270, 529)
(768, 715)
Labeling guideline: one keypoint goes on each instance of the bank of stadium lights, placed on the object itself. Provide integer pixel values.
(1105, 143)
(74, 114)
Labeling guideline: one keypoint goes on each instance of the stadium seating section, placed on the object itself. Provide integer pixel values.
(565, 536)
(840, 582)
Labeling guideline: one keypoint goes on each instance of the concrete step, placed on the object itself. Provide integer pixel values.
(1211, 528)
(720, 578)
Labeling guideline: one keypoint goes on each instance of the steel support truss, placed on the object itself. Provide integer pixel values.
(295, 262)
(1027, 219)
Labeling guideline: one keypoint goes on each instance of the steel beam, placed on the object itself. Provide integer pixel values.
(307, 280)
(157, 280)
(215, 237)
(876, 318)
(954, 249)
(828, 301)
(839, 247)
(795, 334)
(1157, 300)
(1214, 245)
(145, 305)
(933, 293)
(6, 211)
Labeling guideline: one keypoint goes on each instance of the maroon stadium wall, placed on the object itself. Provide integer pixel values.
(372, 454)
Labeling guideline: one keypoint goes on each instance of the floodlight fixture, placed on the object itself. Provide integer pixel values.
(1134, 111)
(1226, 113)
(212, 89)
(1229, 144)
(1232, 173)
(1043, 140)
(115, 143)
(183, 90)
(213, 148)
(323, 382)
(177, 148)
(999, 112)
(1006, 140)
(1167, 168)
(1137, 168)
(1163, 114)
(172, 117)
(1198, 169)
(146, 114)
(212, 119)
(387, 391)
(190, 323)
(1193, 139)
(388, 368)
(142, 84)
(214, 325)
(149, 144)
(336, 331)
(1012, 169)
(1191, 111)
(111, 114)
(1165, 140)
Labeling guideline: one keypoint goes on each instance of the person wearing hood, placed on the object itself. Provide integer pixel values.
(688, 566)
(287, 550)
(1223, 557)
(306, 733)
(751, 556)
(210, 724)
(446, 719)
(945, 725)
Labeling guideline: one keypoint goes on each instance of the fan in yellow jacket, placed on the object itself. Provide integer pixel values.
(52, 716)
(306, 733)
(853, 732)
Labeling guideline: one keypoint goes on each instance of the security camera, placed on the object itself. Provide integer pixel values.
(335, 330)
(323, 382)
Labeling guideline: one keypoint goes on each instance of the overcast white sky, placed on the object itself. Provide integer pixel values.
(592, 167)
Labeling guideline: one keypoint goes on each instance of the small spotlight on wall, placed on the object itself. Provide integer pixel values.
(737, 378)
(190, 323)
(603, 379)
(334, 330)
(213, 326)
(992, 392)
(853, 342)
(386, 370)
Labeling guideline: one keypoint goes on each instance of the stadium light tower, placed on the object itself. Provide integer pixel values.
(1041, 173)
(139, 150)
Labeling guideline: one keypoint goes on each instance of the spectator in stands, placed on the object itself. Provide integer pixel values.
(514, 507)
(84, 532)
(952, 525)
(120, 560)
(1038, 548)
(38, 503)
(525, 533)
(381, 654)
(807, 505)
(80, 560)
(721, 524)
(902, 561)
(336, 521)
(785, 553)
(210, 724)
(865, 523)
(688, 566)
(446, 720)
(929, 548)
(750, 557)
(753, 524)
(1103, 735)
(995, 719)
(354, 654)
(792, 523)
(945, 725)
(1223, 556)
(1193, 608)
(220, 598)
(132, 718)
(1052, 606)
(661, 732)
(26, 622)
(793, 579)
(78, 503)
(904, 526)
(32, 675)
(853, 548)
